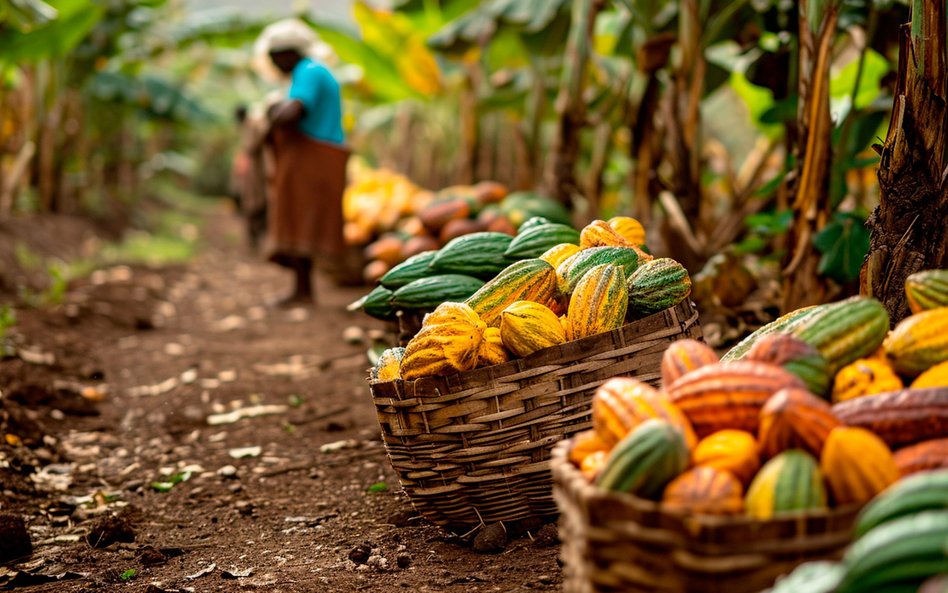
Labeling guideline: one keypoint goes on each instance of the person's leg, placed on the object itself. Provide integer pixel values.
(302, 269)
(304, 279)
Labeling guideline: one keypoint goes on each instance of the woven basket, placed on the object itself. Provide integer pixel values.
(618, 543)
(473, 448)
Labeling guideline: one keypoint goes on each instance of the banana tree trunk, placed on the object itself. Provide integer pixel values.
(470, 127)
(908, 228)
(570, 103)
(602, 146)
(803, 285)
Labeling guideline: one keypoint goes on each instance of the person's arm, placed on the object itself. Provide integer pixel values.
(286, 113)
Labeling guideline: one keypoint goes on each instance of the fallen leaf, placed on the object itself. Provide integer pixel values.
(248, 412)
(339, 445)
(203, 572)
(36, 356)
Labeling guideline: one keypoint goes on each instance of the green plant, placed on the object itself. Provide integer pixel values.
(58, 283)
(7, 321)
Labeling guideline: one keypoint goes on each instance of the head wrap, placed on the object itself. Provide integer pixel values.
(288, 34)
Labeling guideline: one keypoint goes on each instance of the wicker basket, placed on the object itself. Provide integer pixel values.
(474, 448)
(618, 543)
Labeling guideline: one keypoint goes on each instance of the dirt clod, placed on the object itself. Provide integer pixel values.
(14, 538)
(546, 536)
(402, 518)
(491, 540)
(360, 554)
(150, 556)
(108, 530)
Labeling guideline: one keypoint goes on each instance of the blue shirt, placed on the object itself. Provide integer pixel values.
(316, 88)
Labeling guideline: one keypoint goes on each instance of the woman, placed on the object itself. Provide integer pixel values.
(304, 220)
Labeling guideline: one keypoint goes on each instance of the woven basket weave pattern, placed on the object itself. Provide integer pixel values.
(474, 447)
(617, 543)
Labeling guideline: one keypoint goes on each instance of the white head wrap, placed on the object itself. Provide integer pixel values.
(285, 35)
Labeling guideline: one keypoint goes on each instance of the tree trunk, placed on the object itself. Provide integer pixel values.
(602, 146)
(644, 151)
(811, 203)
(570, 103)
(531, 130)
(909, 225)
(470, 128)
(684, 114)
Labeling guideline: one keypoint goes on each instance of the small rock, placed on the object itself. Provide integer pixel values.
(547, 536)
(353, 335)
(378, 562)
(242, 452)
(403, 560)
(491, 539)
(244, 507)
(110, 529)
(14, 538)
(228, 471)
(150, 556)
(545, 579)
(360, 554)
(236, 487)
(235, 573)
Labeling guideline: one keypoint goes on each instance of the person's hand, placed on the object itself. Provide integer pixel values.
(273, 109)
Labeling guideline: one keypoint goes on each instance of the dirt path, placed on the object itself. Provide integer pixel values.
(277, 502)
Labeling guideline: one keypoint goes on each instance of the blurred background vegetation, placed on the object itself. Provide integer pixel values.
(704, 119)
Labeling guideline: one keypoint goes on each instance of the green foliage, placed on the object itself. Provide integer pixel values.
(7, 322)
(381, 76)
(74, 20)
(534, 20)
(172, 481)
(58, 283)
(844, 243)
(153, 96)
(844, 84)
(378, 487)
(762, 229)
(128, 574)
(24, 15)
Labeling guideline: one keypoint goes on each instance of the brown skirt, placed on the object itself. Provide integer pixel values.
(305, 201)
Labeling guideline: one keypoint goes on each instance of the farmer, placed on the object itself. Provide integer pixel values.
(304, 218)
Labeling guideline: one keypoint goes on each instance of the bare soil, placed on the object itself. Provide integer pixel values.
(123, 390)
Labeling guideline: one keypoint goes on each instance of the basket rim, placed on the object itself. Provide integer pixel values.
(686, 311)
(574, 481)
